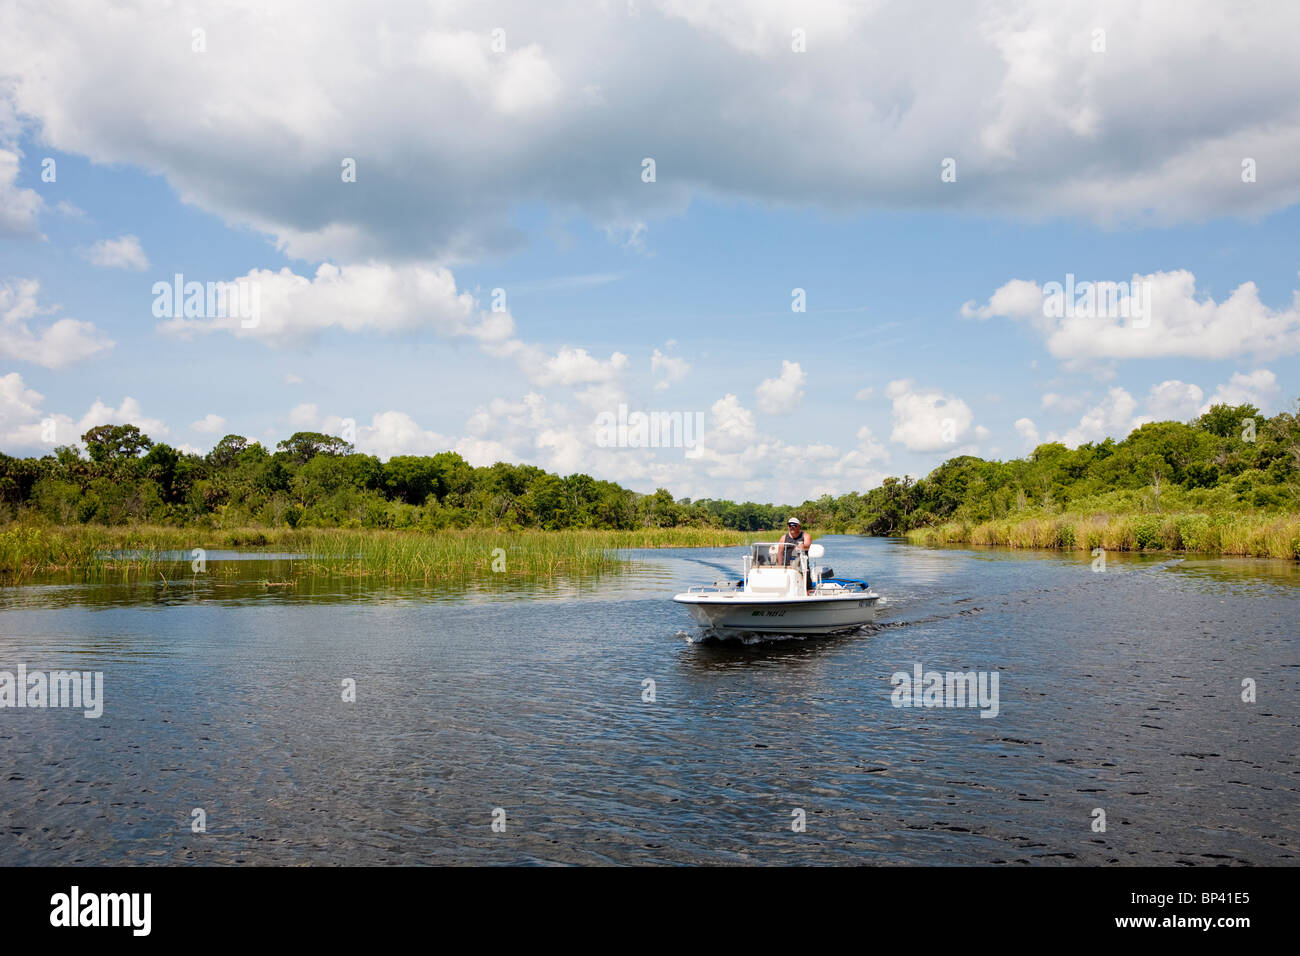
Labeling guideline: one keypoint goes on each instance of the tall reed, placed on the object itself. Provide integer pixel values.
(1250, 535)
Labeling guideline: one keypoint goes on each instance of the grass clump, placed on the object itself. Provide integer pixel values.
(96, 551)
(1246, 535)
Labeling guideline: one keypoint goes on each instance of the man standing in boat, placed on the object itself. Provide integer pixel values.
(792, 542)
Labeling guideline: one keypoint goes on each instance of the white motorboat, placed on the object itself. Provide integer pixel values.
(783, 591)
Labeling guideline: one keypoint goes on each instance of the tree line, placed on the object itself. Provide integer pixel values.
(1231, 457)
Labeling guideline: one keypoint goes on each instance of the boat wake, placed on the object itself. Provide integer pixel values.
(705, 636)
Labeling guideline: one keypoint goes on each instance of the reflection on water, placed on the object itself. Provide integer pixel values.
(254, 579)
(1120, 691)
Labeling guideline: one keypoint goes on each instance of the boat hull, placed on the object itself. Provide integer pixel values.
(743, 614)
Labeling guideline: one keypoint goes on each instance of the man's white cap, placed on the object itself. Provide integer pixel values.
(794, 521)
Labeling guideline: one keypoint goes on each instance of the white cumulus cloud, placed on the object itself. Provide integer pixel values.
(25, 426)
(56, 345)
(783, 393)
(1258, 388)
(669, 368)
(1028, 432)
(210, 424)
(291, 309)
(20, 208)
(453, 135)
(926, 419)
(1173, 400)
(124, 252)
(1181, 323)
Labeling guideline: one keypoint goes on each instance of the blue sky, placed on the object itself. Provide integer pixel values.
(1066, 164)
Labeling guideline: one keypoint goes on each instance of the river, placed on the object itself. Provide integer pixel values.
(1121, 735)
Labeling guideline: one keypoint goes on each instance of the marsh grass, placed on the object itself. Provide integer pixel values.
(1248, 535)
(96, 552)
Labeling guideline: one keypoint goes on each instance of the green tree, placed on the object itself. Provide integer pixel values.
(302, 447)
(1225, 420)
(112, 443)
(226, 452)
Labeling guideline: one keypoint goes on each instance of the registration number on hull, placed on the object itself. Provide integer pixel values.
(768, 614)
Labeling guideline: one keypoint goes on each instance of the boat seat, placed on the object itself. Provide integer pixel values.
(769, 581)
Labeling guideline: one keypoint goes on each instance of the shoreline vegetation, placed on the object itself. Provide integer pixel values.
(1236, 535)
(1227, 482)
(92, 552)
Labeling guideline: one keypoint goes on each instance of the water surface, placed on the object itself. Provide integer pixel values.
(1119, 691)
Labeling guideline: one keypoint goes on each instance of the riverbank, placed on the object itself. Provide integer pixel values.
(94, 550)
(1239, 534)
